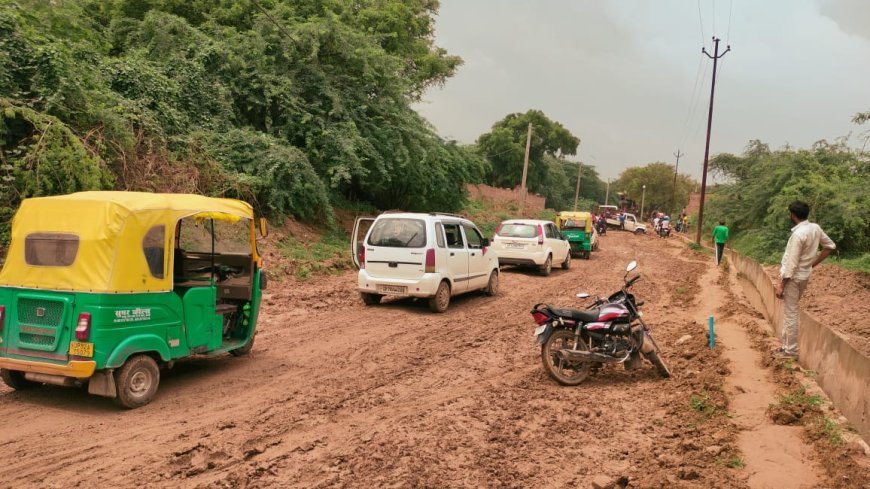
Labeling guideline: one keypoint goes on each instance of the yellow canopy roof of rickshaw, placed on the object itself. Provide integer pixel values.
(574, 215)
(110, 228)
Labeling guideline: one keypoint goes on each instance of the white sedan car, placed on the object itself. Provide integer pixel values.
(533, 243)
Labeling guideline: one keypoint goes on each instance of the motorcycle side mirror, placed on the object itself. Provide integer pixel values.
(631, 266)
(582, 295)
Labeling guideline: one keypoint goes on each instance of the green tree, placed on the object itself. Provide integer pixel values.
(831, 177)
(658, 178)
(560, 183)
(504, 148)
(314, 94)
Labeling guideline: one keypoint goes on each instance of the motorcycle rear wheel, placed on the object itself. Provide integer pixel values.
(559, 370)
(656, 359)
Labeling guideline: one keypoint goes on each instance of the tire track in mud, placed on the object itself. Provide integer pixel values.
(338, 394)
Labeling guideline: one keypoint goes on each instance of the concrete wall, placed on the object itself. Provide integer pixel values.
(842, 371)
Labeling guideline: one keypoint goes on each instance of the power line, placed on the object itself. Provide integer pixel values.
(714, 17)
(701, 23)
(728, 35)
(695, 122)
(692, 102)
(273, 21)
(499, 154)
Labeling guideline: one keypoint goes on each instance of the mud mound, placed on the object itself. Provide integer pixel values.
(838, 298)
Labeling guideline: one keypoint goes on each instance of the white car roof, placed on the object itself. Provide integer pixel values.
(421, 215)
(527, 221)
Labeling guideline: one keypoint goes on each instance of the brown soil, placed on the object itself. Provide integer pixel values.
(846, 464)
(339, 394)
(840, 299)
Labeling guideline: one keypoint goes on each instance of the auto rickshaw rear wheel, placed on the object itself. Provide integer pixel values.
(137, 381)
(16, 380)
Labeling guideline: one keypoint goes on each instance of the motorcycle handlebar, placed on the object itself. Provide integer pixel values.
(633, 280)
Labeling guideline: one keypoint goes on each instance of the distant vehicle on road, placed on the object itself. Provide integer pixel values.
(532, 243)
(631, 223)
(581, 234)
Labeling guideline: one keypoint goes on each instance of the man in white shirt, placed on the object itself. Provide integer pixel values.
(797, 264)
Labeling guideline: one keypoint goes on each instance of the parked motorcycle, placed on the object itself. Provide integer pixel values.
(574, 341)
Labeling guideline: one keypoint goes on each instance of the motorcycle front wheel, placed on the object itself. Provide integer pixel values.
(563, 372)
(656, 359)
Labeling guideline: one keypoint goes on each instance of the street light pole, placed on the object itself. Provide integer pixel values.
(642, 198)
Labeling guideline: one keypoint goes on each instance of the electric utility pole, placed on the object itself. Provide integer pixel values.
(674, 191)
(577, 190)
(715, 58)
(525, 170)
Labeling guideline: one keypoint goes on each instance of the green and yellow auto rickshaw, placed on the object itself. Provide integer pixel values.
(104, 288)
(577, 227)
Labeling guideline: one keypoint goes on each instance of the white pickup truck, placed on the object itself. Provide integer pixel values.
(631, 223)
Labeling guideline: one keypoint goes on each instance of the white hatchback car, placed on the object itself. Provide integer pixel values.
(529, 242)
(434, 256)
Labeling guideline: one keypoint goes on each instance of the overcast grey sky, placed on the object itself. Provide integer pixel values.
(621, 74)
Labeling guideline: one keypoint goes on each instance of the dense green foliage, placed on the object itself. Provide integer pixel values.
(286, 103)
(661, 194)
(831, 177)
(549, 173)
(560, 185)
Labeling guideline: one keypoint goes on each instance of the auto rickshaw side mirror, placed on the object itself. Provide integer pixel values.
(261, 224)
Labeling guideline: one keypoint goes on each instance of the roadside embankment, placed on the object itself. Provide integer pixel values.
(842, 371)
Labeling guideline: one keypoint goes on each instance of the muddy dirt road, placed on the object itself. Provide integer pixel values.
(338, 394)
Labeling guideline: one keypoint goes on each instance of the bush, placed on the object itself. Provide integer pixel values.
(279, 176)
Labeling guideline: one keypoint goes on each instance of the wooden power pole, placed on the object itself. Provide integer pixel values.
(577, 190)
(525, 170)
(674, 190)
(715, 58)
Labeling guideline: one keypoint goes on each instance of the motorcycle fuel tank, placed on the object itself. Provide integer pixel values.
(613, 312)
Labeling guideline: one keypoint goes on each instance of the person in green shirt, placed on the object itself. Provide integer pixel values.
(720, 237)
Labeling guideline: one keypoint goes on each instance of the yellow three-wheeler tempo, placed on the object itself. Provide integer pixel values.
(103, 288)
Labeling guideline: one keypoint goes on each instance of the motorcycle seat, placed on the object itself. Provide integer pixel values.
(587, 316)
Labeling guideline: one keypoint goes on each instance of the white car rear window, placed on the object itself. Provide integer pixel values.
(518, 231)
(398, 233)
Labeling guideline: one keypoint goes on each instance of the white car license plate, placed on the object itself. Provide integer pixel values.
(392, 289)
(539, 330)
(515, 245)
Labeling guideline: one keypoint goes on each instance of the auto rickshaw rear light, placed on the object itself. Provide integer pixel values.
(2, 317)
(83, 327)
(540, 235)
(430, 260)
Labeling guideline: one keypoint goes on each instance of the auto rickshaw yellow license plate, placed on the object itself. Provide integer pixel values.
(81, 349)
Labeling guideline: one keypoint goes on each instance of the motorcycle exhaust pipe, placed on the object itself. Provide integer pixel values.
(588, 356)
